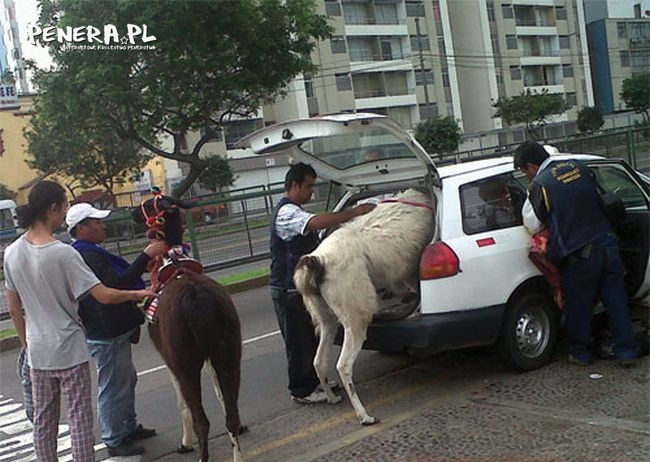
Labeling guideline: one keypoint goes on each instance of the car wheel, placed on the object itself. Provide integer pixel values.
(529, 332)
(209, 218)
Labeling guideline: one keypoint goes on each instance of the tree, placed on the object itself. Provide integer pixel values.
(636, 94)
(438, 136)
(589, 119)
(217, 174)
(211, 61)
(533, 109)
(6, 193)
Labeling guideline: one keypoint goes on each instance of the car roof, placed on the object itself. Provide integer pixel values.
(462, 168)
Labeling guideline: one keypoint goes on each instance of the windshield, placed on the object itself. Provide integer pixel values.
(6, 219)
(346, 151)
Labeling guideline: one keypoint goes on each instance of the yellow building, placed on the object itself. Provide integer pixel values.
(16, 175)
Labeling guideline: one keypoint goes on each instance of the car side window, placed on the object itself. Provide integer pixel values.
(614, 178)
(491, 203)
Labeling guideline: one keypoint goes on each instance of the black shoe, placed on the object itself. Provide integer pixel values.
(578, 361)
(126, 449)
(141, 433)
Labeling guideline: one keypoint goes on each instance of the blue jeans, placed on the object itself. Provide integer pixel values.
(299, 339)
(596, 274)
(116, 379)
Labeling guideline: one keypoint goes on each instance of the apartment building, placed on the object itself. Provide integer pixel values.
(619, 35)
(414, 59)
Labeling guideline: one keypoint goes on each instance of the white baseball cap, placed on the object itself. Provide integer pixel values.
(79, 212)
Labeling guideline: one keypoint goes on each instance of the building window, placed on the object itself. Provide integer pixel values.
(309, 85)
(234, 130)
(515, 73)
(495, 44)
(428, 111)
(338, 44)
(560, 12)
(445, 78)
(211, 132)
(441, 46)
(571, 99)
(414, 8)
(343, 82)
(625, 58)
(332, 8)
(424, 77)
(499, 76)
(621, 27)
(507, 11)
(564, 42)
(637, 11)
(420, 43)
(511, 42)
(567, 71)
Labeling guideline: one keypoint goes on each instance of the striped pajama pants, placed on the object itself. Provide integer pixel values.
(47, 386)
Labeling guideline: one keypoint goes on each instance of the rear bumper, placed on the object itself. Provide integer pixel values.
(424, 335)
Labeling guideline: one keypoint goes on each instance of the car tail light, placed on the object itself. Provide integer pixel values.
(438, 261)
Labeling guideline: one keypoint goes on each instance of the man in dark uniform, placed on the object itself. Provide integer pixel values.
(293, 234)
(563, 198)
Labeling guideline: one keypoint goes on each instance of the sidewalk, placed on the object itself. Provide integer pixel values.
(457, 408)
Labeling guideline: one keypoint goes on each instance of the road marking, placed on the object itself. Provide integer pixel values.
(245, 342)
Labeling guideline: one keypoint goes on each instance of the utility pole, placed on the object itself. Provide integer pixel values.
(424, 80)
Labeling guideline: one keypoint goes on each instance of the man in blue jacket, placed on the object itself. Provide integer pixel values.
(110, 329)
(563, 198)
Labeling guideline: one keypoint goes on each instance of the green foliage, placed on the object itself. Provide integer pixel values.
(533, 109)
(589, 119)
(636, 93)
(213, 59)
(7, 77)
(217, 174)
(439, 135)
(6, 193)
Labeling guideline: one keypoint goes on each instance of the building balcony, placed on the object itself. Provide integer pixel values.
(380, 66)
(536, 30)
(538, 86)
(375, 100)
(377, 29)
(541, 60)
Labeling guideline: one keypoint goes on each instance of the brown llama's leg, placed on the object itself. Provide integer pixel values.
(190, 385)
(225, 371)
(186, 418)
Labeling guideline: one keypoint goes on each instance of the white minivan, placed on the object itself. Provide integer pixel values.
(8, 221)
(477, 285)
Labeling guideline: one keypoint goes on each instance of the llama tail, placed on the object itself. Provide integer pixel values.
(309, 275)
(209, 316)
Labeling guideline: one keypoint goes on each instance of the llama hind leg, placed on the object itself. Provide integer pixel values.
(190, 386)
(234, 436)
(186, 418)
(328, 327)
(355, 335)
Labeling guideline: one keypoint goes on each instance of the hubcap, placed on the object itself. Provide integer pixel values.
(532, 333)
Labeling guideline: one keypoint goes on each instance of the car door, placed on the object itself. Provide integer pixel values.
(617, 177)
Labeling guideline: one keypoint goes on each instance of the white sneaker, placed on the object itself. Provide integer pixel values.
(316, 396)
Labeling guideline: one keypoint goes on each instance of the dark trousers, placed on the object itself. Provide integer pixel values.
(590, 274)
(299, 339)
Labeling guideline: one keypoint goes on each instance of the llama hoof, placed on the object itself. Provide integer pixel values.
(243, 429)
(181, 449)
(337, 399)
(369, 421)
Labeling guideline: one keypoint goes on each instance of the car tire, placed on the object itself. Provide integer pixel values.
(530, 330)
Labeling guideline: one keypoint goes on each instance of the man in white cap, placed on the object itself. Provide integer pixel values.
(110, 329)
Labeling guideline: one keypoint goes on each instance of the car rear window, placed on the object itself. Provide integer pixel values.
(491, 203)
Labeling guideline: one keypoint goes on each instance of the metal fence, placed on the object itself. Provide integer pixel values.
(240, 231)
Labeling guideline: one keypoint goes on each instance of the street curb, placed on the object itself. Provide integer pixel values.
(11, 343)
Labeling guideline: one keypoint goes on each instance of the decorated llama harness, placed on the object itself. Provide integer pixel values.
(177, 263)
